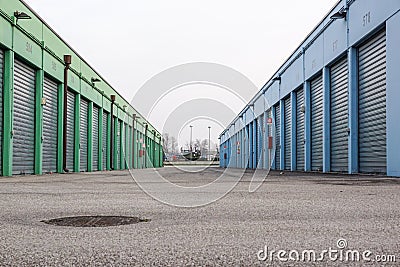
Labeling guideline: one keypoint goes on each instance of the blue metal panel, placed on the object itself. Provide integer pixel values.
(353, 110)
(307, 126)
(393, 95)
(272, 95)
(294, 131)
(314, 58)
(275, 140)
(292, 77)
(326, 130)
(366, 15)
(259, 106)
(335, 40)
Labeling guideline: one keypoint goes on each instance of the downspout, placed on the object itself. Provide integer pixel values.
(67, 61)
(112, 133)
(133, 140)
(145, 145)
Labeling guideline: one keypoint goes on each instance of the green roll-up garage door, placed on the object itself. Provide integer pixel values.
(84, 135)
(1, 108)
(105, 138)
(50, 111)
(24, 119)
(339, 116)
(95, 134)
(372, 104)
(70, 130)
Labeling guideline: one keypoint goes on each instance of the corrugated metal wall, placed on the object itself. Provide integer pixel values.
(372, 104)
(316, 123)
(261, 134)
(84, 135)
(105, 138)
(288, 133)
(339, 116)
(70, 130)
(1, 107)
(300, 129)
(24, 119)
(277, 136)
(269, 134)
(119, 139)
(50, 125)
(95, 133)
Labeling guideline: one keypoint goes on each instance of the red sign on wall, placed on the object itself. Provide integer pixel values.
(269, 121)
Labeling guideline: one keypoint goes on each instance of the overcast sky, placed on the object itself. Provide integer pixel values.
(128, 41)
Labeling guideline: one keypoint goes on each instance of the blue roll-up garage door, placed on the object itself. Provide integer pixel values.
(372, 104)
(24, 119)
(277, 137)
(316, 123)
(300, 129)
(288, 133)
(50, 124)
(339, 116)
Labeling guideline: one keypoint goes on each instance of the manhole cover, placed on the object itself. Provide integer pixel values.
(95, 221)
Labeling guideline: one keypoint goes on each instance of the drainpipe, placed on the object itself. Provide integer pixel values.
(133, 141)
(145, 145)
(67, 61)
(112, 133)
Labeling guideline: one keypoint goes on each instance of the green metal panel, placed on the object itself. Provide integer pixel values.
(90, 137)
(74, 82)
(39, 122)
(60, 140)
(53, 67)
(5, 33)
(27, 49)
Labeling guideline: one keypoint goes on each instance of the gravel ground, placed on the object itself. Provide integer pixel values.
(290, 211)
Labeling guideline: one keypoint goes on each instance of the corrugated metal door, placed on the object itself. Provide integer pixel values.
(119, 134)
(70, 130)
(300, 129)
(95, 132)
(316, 124)
(126, 147)
(105, 138)
(1, 108)
(288, 133)
(24, 119)
(277, 137)
(84, 135)
(339, 114)
(50, 113)
(268, 134)
(260, 141)
(372, 105)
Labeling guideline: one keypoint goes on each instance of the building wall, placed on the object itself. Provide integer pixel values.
(32, 44)
(331, 41)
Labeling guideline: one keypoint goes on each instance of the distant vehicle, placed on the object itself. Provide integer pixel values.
(191, 155)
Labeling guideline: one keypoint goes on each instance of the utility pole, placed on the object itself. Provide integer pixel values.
(209, 142)
(191, 131)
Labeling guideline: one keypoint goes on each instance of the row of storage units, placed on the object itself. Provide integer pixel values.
(338, 118)
(47, 129)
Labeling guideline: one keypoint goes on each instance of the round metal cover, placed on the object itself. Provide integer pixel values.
(95, 221)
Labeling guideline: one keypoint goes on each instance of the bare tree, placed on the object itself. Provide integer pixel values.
(166, 143)
(174, 145)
